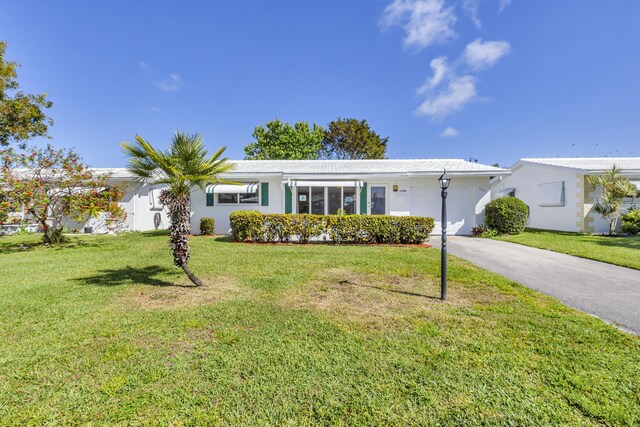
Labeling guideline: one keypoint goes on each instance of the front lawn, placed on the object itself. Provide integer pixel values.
(105, 331)
(624, 251)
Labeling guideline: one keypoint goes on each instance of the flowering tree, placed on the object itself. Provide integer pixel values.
(51, 184)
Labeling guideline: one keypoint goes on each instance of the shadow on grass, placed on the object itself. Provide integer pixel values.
(395, 291)
(129, 276)
(6, 248)
(621, 242)
(154, 233)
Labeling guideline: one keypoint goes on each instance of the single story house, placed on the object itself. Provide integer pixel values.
(557, 193)
(368, 187)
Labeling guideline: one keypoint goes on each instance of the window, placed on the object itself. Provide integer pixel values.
(238, 198)
(227, 198)
(317, 200)
(335, 199)
(326, 200)
(349, 200)
(303, 200)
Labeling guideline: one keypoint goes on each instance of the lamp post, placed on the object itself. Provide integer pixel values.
(444, 185)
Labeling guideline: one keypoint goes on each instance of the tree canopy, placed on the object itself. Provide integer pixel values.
(352, 139)
(281, 141)
(22, 116)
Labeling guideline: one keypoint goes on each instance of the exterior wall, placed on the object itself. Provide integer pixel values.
(415, 196)
(526, 180)
(140, 216)
(220, 213)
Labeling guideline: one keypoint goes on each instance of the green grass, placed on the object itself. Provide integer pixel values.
(623, 251)
(105, 331)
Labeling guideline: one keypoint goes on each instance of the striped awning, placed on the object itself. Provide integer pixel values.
(324, 183)
(249, 187)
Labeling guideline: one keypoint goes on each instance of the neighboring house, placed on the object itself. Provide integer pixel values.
(558, 196)
(370, 187)
(141, 204)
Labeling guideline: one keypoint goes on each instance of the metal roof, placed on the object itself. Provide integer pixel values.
(589, 164)
(366, 167)
(405, 167)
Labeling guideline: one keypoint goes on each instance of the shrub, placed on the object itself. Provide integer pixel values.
(631, 222)
(247, 225)
(207, 226)
(251, 225)
(507, 215)
(483, 230)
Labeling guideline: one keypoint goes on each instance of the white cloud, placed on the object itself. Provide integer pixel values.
(154, 110)
(425, 22)
(504, 4)
(440, 69)
(172, 84)
(480, 55)
(143, 66)
(471, 9)
(459, 92)
(450, 132)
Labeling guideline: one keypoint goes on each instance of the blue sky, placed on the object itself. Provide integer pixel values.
(492, 79)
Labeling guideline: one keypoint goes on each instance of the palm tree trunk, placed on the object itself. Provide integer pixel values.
(179, 235)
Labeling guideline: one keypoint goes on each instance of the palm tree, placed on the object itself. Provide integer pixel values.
(613, 188)
(182, 167)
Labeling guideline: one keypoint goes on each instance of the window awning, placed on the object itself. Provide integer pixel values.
(324, 183)
(250, 187)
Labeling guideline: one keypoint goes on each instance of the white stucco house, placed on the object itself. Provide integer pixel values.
(368, 187)
(557, 194)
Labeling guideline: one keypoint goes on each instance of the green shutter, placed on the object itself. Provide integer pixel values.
(264, 194)
(209, 199)
(363, 199)
(287, 199)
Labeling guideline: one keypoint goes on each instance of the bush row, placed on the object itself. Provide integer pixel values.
(257, 227)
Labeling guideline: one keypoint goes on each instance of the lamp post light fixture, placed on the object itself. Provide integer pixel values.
(444, 185)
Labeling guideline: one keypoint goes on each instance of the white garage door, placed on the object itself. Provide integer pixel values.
(426, 201)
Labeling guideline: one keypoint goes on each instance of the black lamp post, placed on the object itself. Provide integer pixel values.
(444, 185)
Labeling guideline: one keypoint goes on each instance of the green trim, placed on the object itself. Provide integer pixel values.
(209, 199)
(363, 199)
(264, 194)
(288, 196)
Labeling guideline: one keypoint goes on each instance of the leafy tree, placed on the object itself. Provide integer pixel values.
(611, 189)
(281, 141)
(182, 167)
(353, 139)
(51, 184)
(22, 115)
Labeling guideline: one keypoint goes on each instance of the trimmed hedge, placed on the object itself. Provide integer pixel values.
(352, 229)
(207, 226)
(508, 215)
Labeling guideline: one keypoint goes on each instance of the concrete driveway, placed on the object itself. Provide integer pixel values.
(604, 290)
